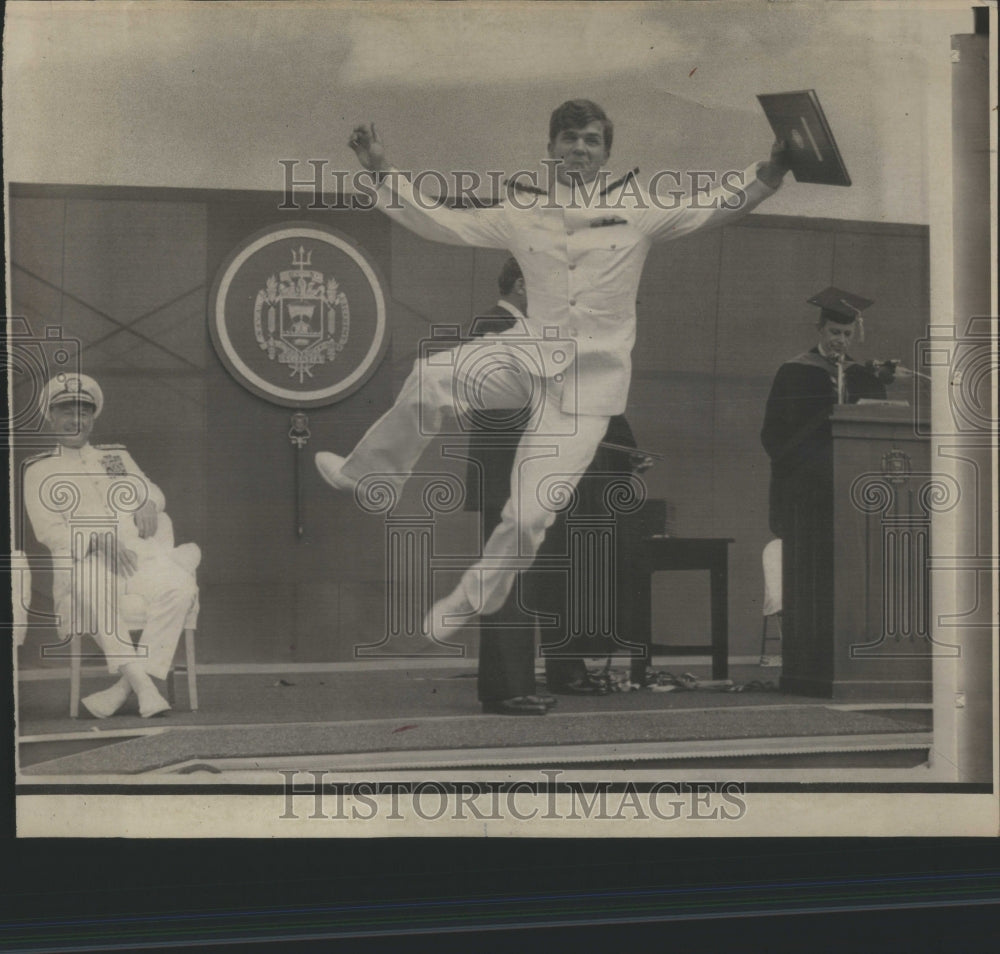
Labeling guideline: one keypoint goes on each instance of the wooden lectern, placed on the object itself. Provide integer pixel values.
(857, 618)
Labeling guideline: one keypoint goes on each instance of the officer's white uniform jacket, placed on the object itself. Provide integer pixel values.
(91, 486)
(99, 488)
(582, 261)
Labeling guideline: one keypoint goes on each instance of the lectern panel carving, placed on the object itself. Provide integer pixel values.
(898, 505)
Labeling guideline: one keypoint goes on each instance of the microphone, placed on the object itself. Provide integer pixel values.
(886, 371)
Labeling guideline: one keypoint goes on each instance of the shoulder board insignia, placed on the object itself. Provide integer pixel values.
(523, 187)
(619, 183)
(109, 447)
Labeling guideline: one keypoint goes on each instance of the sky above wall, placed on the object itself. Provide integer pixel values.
(198, 95)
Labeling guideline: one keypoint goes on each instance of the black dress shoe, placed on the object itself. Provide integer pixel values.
(518, 705)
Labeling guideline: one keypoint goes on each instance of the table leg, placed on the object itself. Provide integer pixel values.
(720, 615)
(642, 618)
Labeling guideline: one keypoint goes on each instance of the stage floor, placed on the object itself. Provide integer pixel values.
(417, 716)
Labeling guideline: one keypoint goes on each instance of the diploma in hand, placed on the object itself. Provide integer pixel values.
(797, 119)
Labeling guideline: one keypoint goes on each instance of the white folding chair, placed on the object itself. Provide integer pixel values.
(20, 575)
(771, 559)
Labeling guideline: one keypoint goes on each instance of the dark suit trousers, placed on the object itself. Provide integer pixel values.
(506, 643)
(507, 638)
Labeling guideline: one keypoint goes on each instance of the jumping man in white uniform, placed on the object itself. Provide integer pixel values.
(581, 249)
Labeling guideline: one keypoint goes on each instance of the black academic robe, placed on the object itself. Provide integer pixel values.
(796, 432)
(797, 436)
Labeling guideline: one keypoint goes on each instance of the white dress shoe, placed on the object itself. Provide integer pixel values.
(329, 466)
(106, 703)
(151, 704)
(448, 615)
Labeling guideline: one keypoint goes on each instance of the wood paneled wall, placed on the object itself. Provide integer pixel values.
(127, 273)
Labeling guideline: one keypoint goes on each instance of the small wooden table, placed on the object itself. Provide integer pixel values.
(658, 554)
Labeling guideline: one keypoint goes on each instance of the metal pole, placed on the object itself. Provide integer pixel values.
(963, 440)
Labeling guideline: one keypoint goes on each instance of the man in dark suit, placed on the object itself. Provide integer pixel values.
(507, 638)
(580, 611)
(798, 438)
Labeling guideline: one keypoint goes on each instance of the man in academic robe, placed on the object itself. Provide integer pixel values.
(798, 438)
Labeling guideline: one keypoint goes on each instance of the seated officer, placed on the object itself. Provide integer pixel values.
(126, 572)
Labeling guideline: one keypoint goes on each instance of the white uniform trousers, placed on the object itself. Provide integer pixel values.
(99, 603)
(557, 448)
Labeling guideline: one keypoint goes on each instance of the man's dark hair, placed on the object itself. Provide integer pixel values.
(509, 274)
(577, 113)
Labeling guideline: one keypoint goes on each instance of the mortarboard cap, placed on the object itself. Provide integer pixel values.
(839, 305)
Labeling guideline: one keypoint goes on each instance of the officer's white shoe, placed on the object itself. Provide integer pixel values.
(151, 703)
(329, 466)
(450, 614)
(106, 703)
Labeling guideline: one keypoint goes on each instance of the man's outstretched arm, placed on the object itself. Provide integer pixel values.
(723, 205)
(487, 229)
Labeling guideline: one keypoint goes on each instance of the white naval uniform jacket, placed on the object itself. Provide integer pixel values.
(581, 266)
(99, 488)
(90, 497)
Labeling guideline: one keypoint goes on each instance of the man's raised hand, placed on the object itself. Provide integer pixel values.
(781, 154)
(368, 147)
(773, 171)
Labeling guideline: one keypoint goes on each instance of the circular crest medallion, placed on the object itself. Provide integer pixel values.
(297, 315)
